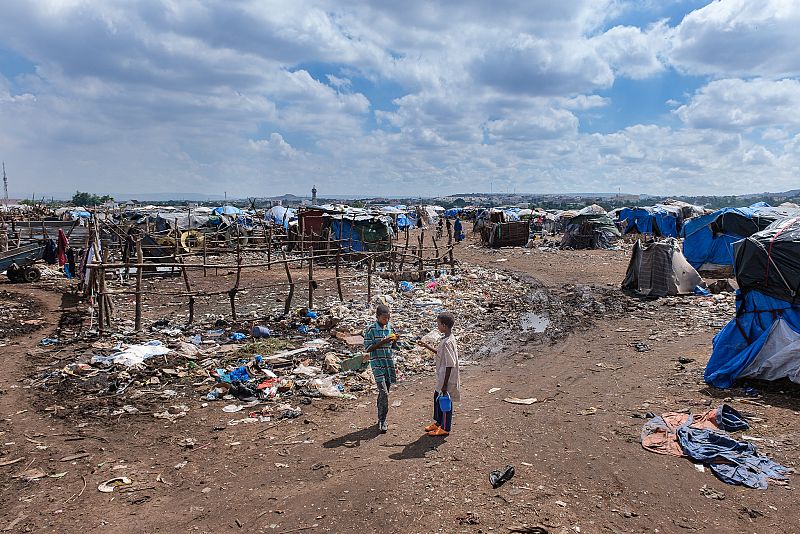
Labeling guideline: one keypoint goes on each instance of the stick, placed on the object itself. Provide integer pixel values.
(311, 277)
(338, 280)
(288, 306)
(369, 280)
(138, 312)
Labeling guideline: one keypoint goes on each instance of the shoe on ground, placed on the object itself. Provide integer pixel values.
(439, 432)
(383, 427)
(431, 427)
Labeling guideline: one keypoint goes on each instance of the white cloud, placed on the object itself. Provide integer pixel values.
(275, 145)
(632, 52)
(449, 96)
(734, 104)
(739, 38)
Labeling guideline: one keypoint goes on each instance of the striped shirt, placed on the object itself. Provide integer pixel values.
(381, 360)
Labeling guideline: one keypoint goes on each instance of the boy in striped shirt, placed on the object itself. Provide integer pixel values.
(379, 342)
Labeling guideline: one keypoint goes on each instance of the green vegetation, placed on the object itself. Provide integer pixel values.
(89, 199)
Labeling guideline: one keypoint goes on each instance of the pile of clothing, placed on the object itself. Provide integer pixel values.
(704, 438)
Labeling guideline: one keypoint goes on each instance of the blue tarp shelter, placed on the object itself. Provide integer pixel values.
(361, 234)
(701, 246)
(738, 345)
(763, 340)
(658, 220)
(227, 210)
(708, 239)
(281, 215)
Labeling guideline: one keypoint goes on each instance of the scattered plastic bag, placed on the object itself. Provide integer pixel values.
(326, 387)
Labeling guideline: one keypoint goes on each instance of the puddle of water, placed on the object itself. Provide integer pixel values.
(533, 322)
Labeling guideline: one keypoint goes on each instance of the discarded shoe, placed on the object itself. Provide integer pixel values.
(500, 477)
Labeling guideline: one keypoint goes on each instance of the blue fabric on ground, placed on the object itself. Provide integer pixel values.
(733, 462)
(730, 419)
(737, 345)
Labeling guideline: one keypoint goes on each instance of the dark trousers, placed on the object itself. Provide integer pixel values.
(383, 400)
(443, 419)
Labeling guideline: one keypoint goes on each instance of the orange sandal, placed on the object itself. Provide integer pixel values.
(431, 427)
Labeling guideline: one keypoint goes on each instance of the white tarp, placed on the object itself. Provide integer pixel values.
(779, 357)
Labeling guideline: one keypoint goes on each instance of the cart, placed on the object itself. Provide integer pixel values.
(18, 263)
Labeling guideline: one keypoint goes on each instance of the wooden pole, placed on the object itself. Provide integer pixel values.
(450, 246)
(405, 251)
(338, 280)
(369, 280)
(269, 249)
(419, 255)
(106, 302)
(139, 259)
(311, 282)
(188, 290)
(436, 257)
(288, 306)
(232, 292)
(205, 257)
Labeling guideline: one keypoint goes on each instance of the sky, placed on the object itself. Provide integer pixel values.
(413, 98)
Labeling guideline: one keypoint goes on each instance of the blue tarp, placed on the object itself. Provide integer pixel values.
(453, 212)
(281, 215)
(406, 221)
(366, 235)
(227, 210)
(638, 220)
(737, 345)
(653, 220)
(700, 245)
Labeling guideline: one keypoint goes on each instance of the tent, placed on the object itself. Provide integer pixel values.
(763, 339)
(227, 210)
(588, 229)
(708, 240)
(280, 215)
(769, 261)
(658, 220)
(658, 269)
(361, 233)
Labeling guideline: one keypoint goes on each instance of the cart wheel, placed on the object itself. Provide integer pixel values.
(31, 274)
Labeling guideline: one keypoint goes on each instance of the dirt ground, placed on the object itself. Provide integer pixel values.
(579, 464)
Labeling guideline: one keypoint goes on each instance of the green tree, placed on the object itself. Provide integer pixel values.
(88, 199)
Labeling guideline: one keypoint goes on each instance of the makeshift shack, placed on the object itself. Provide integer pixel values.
(658, 269)
(763, 340)
(505, 234)
(589, 228)
(708, 240)
(658, 220)
(360, 233)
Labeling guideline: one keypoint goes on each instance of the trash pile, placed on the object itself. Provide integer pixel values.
(19, 315)
(268, 370)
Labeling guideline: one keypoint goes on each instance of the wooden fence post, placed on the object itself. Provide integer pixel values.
(139, 260)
